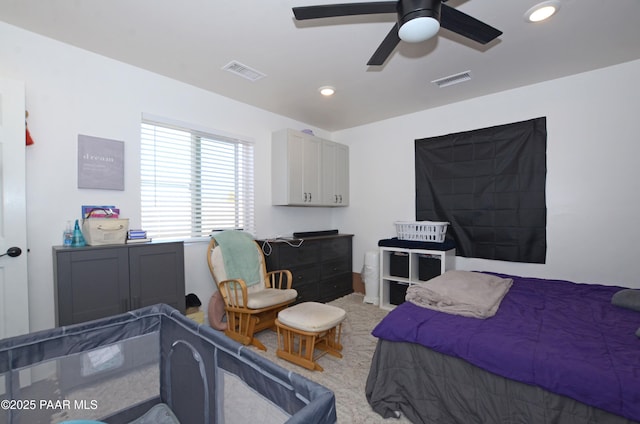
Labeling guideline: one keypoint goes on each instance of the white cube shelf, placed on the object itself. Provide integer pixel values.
(406, 270)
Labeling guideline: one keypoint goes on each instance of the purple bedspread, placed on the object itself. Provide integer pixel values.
(564, 337)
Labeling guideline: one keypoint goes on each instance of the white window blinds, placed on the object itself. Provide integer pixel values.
(193, 182)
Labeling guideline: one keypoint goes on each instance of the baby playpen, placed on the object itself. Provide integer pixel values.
(150, 365)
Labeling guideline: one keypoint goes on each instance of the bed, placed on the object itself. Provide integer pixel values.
(154, 366)
(554, 352)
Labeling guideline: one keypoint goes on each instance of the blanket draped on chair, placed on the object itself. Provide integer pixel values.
(241, 259)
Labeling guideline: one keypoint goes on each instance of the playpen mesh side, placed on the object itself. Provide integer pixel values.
(116, 369)
(86, 371)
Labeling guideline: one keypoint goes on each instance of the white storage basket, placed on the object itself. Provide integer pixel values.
(421, 230)
(101, 231)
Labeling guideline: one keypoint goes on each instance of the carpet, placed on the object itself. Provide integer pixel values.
(347, 376)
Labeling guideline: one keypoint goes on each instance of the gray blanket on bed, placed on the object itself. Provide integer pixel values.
(430, 387)
(465, 293)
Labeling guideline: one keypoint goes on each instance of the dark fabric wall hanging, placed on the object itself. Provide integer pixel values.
(490, 185)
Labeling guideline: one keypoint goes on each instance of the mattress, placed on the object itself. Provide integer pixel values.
(563, 337)
(431, 387)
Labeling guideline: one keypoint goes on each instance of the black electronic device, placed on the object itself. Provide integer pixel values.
(307, 234)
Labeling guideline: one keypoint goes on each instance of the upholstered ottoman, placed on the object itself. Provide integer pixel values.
(308, 326)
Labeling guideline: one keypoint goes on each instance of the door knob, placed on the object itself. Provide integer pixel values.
(13, 252)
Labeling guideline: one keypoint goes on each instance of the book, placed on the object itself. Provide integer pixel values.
(138, 240)
(137, 234)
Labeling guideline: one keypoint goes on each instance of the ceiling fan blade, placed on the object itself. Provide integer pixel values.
(467, 26)
(385, 48)
(345, 9)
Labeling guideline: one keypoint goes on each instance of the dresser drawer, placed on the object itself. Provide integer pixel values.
(336, 267)
(336, 287)
(308, 293)
(304, 275)
(339, 247)
(289, 256)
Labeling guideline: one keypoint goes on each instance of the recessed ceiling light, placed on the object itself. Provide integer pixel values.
(542, 11)
(327, 90)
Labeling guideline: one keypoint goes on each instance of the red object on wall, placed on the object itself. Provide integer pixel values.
(29, 139)
(27, 135)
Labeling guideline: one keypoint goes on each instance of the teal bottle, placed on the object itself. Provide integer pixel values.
(78, 238)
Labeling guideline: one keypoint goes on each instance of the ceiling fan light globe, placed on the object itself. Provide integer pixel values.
(419, 29)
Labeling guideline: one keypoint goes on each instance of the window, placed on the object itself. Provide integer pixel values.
(193, 182)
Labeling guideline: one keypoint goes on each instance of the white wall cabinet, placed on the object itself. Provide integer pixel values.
(308, 171)
(335, 174)
(401, 268)
(296, 161)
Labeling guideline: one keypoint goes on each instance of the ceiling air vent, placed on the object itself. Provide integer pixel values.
(453, 79)
(243, 70)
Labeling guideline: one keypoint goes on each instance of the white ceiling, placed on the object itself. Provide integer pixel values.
(191, 40)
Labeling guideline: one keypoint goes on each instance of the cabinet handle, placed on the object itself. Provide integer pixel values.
(309, 196)
(340, 198)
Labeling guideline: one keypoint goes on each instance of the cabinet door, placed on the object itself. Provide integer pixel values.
(295, 168)
(342, 174)
(157, 275)
(91, 284)
(304, 169)
(335, 174)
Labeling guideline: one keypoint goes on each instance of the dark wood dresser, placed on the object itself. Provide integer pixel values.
(321, 266)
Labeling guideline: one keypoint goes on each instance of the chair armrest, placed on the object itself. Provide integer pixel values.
(279, 279)
(234, 292)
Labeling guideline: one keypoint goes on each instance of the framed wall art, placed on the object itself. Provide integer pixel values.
(100, 163)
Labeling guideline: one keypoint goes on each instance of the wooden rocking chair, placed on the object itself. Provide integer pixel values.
(250, 308)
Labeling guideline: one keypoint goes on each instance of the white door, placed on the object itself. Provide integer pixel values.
(14, 292)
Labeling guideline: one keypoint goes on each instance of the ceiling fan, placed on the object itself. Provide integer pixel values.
(418, 20)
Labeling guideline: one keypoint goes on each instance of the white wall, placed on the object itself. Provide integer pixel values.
(69, 92)
(593, 151)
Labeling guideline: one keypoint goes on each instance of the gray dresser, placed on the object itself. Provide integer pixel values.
(97, 281)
